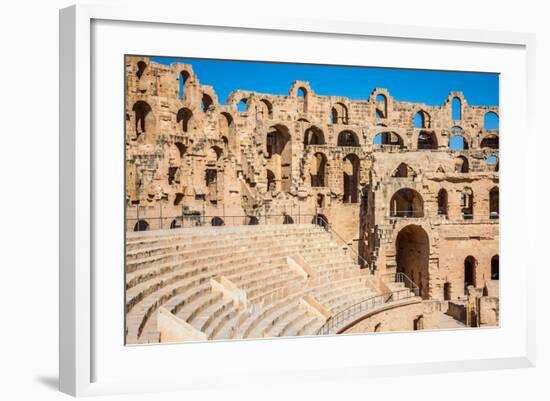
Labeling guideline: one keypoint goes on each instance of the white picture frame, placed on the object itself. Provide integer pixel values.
(80, 346)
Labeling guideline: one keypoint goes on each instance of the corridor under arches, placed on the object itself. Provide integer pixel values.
(412, 248)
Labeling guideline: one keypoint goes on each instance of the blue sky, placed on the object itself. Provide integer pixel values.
(425, 86)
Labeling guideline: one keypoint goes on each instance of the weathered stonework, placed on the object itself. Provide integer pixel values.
(287, 158)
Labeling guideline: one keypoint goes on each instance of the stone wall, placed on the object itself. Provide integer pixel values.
(363, 165)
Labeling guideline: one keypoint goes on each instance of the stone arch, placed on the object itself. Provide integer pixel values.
(264, 110)
(490, 142)
(457, 140)
(184, 117)
(381, 109)
(470, 267)
(314, 136)
(270, 177)
(141, 110)
(183, 80)
(279, 155)
(302, 97)
(318, 170)
(206, 103)
(467, 203)
(403, 171)
(406, 202)
(339, 114)
(491, 121)
(462, 165)
(422, 119)
(141, 225)
(175, 224)
(141, 67)
(351, 178)
(412, 247)
(242, 105)
(288, 220)
(388, 138)
(217, 222)
(456, 108)
(427, 140)
(347, 138)
(252, 221)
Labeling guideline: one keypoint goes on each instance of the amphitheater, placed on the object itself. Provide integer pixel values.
(300, 214)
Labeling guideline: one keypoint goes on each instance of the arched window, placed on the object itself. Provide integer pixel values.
(490, 141)
(314, 136)
(406, 203)
(242, 106)
(442, 202)
(184, 117)
(264, 110)
(302, 99)
(490, 121)
(494, 203)
(339, 114)
(426, 140)
(388, 138)
(141, 110)
(317, 171)
(348, 138)
(141, 66)
(421, 119)
(206, 103)
(225, 122)
(270, 180)
(279, 155)
(456, 107)
(351, 166)
(182, 81)
(467, 203)
(470, 264)
(403, 171)
(495, 268)
(462, 165)
(492, 162)
(141, 225)
(217, 222)
(381, 106)
(457, 141)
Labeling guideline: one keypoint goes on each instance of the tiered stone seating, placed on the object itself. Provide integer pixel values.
(173, 269)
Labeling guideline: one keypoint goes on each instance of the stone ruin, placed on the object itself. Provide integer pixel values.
(378, 171)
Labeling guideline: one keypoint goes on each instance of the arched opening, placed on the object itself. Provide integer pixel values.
(141, 225)
(491, 121)
(184, 117)
(141, 110)
(447, 292)
(495, 268)
(388, 138)
(339, 114)
(442, 202)
(467, 203)
(320, 220)
(494, 203)
(211, 181)
(492, 162)
(242, 106)
(418, 323)
(252, 221)
(456, 107)
(206, 102)
(301, 93)
(381, 106)
(141, 66)
(406, 203)
(490, 141)
(412, 256)
(314, 136)
(288, 220)
(426, 140)
(377, 327)
(351, 178)
(264, 110)
(457, 141)
(403, 171)
(461, 164)
(470, 264)
(279, 155)
(317, 170)
(217, 222)
(175, 224)
(421, 119)
(348, 138)
(182, 82)
(320, 202)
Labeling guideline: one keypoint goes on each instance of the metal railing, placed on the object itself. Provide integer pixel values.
(340, 320)
(400, 277)
(407, 213)
(322, 222)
